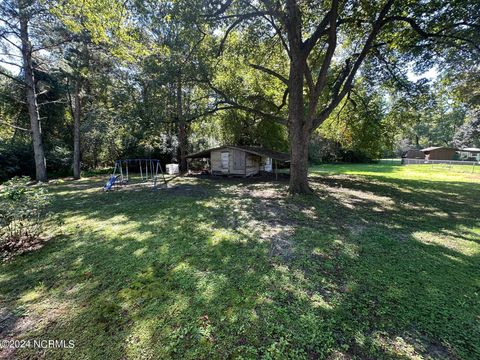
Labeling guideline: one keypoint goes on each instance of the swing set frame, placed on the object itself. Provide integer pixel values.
(149, 170)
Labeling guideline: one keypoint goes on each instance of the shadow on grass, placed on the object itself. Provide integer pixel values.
(375, 269)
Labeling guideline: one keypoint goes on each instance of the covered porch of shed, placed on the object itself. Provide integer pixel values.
(244, 161)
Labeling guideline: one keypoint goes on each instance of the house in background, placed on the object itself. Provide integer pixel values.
(413, 154)
(470, 154)
(241, 160)
(439, 153)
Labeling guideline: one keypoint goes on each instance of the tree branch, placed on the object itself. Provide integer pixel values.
(209, 112)
(309, 43)
(338, 95)
(284, 99)
(12, 77)
(11, 42)
(236, 105)
(270, 72)
(14, 126)
(332, 44)
(279, 34)
(309, 78)
(425, 34)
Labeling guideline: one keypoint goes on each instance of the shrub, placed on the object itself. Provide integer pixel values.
(355, 156)
(59, 161)
(16, 159)
(23, 209)
(323, 150)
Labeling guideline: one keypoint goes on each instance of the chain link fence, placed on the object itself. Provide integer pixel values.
(456, 165)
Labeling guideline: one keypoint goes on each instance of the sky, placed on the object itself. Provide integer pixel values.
(429, 75)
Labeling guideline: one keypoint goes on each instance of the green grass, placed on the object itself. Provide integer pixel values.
(383, 263)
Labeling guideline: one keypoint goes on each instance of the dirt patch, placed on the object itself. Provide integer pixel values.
(7, 322)
(264, 177)
(268, 215)
(265, 193)
(17, 324)
(12, 248)
(185, 190)
(338, 355)
(280, 238)
(356, 228)
(415, 346)
(10, 327)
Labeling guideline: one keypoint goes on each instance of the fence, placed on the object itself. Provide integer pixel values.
(470, 166)
(390, 161)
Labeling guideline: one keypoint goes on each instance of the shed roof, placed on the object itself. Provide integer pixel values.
(436, 148)
(472, 149)
(256, 150)
(412, 152)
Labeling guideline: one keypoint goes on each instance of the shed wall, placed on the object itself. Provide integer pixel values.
(216, 162)
(252, 164)
(414, 154)
(442, 154)
(236, 164)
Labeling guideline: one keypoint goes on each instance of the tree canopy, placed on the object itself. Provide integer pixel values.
(89, 81)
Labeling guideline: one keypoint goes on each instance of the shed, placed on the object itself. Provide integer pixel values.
(240, 160)
(472, 154)
(439, 153)
(413, 154)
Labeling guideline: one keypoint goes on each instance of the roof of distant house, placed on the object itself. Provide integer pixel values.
(437, 147)
(472, 149)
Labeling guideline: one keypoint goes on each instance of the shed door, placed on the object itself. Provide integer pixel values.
(238, 160)
(225, 159)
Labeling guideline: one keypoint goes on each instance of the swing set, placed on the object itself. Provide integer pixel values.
(149, 171)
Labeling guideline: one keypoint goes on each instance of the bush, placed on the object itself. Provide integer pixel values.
(23, 209)
(59, 162)
(323, 150)
(355, 156)
(16, 159)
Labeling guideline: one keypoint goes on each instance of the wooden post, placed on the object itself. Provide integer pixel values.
(115, 169)
(121, 170)
(276, 170)
(155, 177)
(163, 175)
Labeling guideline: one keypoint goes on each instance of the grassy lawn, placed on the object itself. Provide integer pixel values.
(383, 263)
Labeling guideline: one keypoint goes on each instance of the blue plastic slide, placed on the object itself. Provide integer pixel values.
(110, 182)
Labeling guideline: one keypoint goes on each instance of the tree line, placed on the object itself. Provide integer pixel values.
(84, 82)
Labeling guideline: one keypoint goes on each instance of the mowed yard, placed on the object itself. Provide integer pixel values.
(382, 263)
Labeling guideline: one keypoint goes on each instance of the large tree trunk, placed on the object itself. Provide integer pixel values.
(299, 123)
(299, 164)
(31, 97)
(299, 128)
(182, 127)
(77, 111)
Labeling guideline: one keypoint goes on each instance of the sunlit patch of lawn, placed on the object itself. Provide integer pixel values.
(428, 172)
(383, 262)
